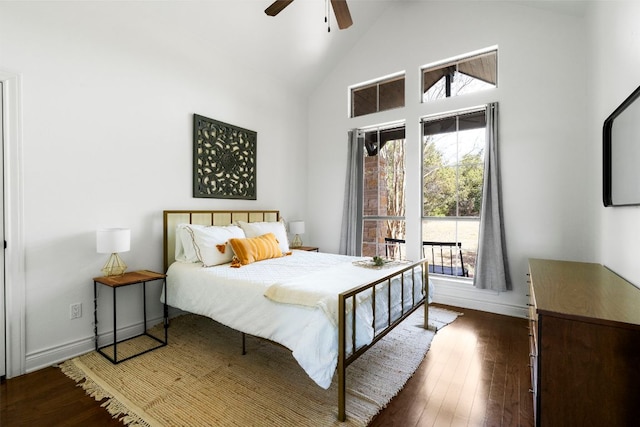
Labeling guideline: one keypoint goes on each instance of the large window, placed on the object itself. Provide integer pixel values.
(454, 78)
(383, 187)
(378, 96)
(452, 176)
(453, 150)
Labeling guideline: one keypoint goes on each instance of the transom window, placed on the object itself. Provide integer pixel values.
(382, 95)
(467, 75)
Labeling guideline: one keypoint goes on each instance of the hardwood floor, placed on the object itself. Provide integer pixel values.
(476, 373)
(48, 398)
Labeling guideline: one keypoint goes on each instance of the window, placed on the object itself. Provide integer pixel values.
(452, 176)
(468, 75)
(383, 187)
(379, 96)
(453, 150)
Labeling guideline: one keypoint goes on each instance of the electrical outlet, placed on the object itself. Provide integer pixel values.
(75, 310)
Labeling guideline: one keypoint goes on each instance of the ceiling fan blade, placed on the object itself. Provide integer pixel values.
(343, 16)
(276, 7)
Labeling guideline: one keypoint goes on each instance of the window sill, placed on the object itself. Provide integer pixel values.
(444, 282)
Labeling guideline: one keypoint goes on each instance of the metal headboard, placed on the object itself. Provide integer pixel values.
(202, 217)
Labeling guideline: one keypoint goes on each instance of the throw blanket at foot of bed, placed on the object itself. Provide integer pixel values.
(321, 288)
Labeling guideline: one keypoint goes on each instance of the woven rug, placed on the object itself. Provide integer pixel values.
(201, 378)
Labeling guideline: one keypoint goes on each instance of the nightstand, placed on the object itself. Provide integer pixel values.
(128, 279)
(307, 248)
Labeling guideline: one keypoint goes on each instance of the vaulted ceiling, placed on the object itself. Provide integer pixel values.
(293, 46)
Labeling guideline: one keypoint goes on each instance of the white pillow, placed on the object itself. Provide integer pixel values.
(255, 229)
(211, 244)
(185, 251)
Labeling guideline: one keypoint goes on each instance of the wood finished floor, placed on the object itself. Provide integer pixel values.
(475, 374)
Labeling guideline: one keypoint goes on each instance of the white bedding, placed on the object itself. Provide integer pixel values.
(236, 297)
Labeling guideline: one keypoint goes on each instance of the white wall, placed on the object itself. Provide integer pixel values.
(615, 69)
(543, 146)
(107, 141)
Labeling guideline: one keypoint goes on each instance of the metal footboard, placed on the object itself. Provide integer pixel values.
(345, 319)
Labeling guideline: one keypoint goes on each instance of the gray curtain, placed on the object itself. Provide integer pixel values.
(492, 270)
(351, 234)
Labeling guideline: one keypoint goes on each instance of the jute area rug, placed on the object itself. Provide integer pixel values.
(201, 378)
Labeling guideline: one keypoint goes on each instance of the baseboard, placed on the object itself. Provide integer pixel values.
(465, 295)
(51, 356)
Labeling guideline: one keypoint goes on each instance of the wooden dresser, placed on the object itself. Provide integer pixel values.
(585, 345)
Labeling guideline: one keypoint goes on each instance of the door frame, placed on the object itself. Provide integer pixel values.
(3, 334)
(14, 261)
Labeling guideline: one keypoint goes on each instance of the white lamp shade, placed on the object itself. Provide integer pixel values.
(296, 227)
(113, 240)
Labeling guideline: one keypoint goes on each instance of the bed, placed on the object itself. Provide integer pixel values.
(327, 309)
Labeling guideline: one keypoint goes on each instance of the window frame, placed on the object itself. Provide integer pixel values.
(369, 123)
(457, 218)
(363, 217)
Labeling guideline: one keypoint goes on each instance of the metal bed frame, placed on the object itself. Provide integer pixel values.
(171, 218)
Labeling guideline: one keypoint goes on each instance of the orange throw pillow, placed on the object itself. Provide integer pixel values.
(254, 249)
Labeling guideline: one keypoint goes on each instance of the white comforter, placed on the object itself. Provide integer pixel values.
(236, 297)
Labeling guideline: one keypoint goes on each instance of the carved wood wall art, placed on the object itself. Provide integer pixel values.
(224, 160)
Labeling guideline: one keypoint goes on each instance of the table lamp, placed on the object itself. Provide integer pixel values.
(112, 241)
(297, 228)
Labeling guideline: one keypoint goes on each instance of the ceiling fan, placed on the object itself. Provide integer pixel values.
(340, 8)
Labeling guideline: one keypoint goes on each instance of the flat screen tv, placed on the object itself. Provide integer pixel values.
(621, 154)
